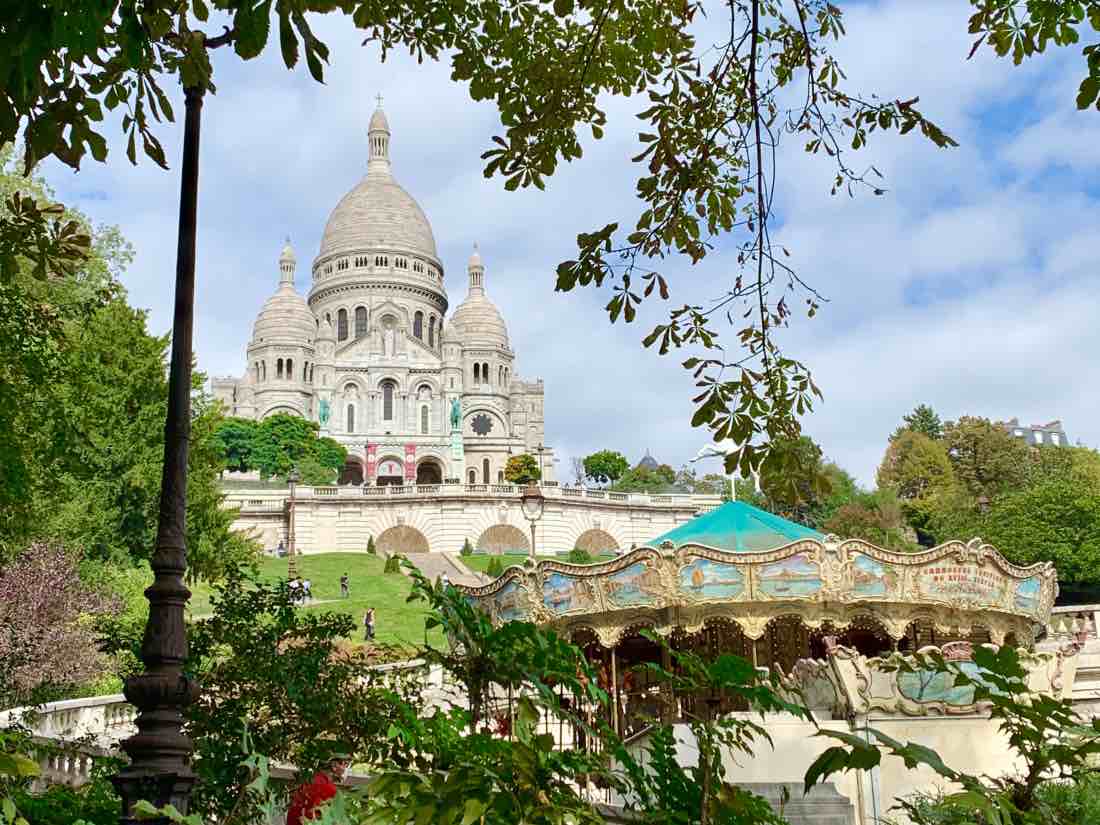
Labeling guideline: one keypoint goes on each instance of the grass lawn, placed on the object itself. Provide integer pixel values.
(395, 621)
(479, 562)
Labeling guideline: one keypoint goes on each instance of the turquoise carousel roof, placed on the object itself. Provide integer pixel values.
(737, 527)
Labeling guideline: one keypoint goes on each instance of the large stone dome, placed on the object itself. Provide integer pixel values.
(378, 214)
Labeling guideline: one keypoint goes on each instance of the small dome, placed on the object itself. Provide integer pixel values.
(285, 316)
(378, 122)
(475, 259)
(287, 255)
(477, 321)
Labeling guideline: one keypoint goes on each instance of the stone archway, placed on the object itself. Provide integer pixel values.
(596, 541)
(402, 539)
(352, 473)
(503, 538)
(429, 471)
(391, 470)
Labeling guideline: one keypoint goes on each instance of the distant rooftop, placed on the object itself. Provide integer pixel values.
(1037, 434)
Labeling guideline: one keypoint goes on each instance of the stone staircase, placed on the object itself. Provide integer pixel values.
(434, 565)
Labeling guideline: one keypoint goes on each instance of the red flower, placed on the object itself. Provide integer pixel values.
(308, 798)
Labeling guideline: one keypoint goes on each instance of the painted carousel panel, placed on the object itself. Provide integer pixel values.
(708, 579)
(976, 584)
(637, 584)
(1027, 595)
(925, 686)
(563, 594)
(796, 577)
(871, 578)
(510, 602)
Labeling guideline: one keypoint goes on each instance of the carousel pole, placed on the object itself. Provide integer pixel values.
(160, 753)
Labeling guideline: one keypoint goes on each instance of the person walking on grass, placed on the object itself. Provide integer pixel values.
(345, 590)
(368, 625)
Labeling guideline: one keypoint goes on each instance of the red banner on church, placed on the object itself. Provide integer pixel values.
(410, 463)
(372, 449)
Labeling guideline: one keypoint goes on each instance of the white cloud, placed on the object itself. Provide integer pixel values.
(968, 285)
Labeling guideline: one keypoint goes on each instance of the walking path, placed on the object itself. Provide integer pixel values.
(434, 565)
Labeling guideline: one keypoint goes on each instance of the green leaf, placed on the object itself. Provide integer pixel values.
(473, 811)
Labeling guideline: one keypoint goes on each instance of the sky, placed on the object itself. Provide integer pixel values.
(970, 285)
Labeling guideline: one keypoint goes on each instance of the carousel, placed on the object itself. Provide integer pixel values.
(741, 580)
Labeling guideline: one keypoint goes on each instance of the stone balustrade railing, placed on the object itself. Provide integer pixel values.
(103, 719)
(1074, 623)
(256, 500)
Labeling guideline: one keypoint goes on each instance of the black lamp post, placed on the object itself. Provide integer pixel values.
(533, 503)
(293, 477)
(160, 753)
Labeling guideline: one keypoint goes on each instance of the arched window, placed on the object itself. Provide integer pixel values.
(351, 418)
(418, 326)
(500, 476)
(387, 401)
(472, 476)
(485, 469)
(485, 373)
(342, 325)
(360, 322)
(477, 373)
(431, 332)
(310, 378)
(279, 368)
(263, 365)
(290, 369)
(424, 420)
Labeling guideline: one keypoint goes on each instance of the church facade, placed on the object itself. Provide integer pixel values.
(371, 354)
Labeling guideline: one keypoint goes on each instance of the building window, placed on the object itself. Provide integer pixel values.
(472, 476)
(263, 364)
(360, 322)
(500, 476)
(342, 325)
(424, 420)
(485, 469)
(485, 373)
(351, 418)
(477, 373)
(387, 401)
(279, 368)
(418, 326)
(431, 332)
(290, 369)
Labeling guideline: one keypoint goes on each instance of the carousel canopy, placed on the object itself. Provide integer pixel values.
(737, 527)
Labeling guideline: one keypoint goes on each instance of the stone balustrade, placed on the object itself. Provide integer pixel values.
(103, 719)
(268, 500)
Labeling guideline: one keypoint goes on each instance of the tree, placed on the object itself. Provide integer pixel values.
(605, 466)
(914, 465)
(47, 633)
(922, 420)
(284, 441)
(315, 695)
(236, 437)
(874, 517)
(986, 459)
(645, 479)
(1056, 520)
(793, 478)
(522, 469)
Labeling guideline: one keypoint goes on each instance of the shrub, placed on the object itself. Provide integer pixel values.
(392, 565)
(579, 556)
(495, 568)
(370, 546)
(467, 548)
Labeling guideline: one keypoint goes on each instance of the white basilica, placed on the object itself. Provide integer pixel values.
(371, 356)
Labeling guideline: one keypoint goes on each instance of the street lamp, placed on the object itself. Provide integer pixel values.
(293, 477)
(533, 503)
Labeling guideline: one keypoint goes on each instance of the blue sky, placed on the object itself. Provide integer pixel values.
(971, 285)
